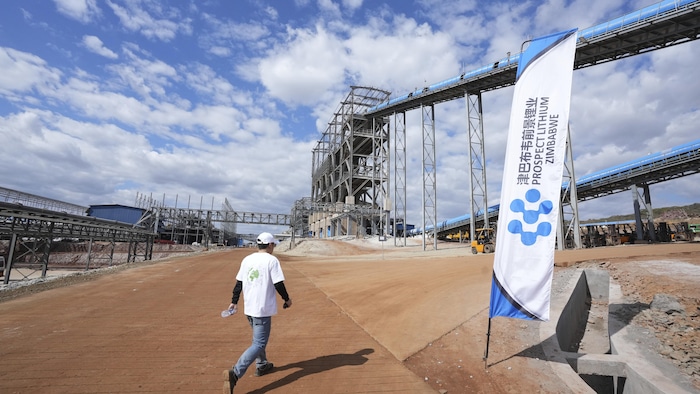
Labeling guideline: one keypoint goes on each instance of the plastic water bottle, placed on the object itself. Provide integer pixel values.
(228, 312)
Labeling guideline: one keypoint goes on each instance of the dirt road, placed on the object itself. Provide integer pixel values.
(362, 321)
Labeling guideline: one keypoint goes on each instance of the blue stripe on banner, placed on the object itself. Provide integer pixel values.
(503, 305)
(539, 47)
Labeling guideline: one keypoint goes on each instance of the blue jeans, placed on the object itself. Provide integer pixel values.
(256, 352)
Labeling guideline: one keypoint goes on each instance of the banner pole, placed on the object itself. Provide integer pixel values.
(488, 338)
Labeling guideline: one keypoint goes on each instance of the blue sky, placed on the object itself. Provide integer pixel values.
(101, 100)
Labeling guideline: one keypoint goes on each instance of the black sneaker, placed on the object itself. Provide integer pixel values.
(230, 380)
(265, 369)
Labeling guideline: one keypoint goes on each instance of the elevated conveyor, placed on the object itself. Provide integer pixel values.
(676, 162)
(661, 25)
(662, 166)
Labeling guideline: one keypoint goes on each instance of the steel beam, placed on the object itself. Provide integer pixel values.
(429, 174)
(400, 178)
(569, 228)
(477, 162)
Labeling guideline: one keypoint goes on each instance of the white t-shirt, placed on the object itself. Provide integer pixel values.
(259, 272)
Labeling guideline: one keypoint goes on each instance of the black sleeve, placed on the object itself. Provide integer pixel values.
(279, 286)
(237, 292)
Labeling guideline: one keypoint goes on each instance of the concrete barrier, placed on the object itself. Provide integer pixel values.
(622, 366)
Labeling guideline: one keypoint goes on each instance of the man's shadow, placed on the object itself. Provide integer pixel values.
(316, 365)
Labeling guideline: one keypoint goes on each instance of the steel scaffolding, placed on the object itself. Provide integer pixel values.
(429, 175)
(227, 227)
(29, 234)
(568, 231)
(477, 162)
(32, 200)
(350, 166)
(399, 180)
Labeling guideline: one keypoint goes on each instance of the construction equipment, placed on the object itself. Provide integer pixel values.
(694, 231)
(485, 241)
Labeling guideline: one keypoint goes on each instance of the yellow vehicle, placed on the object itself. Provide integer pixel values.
(485, 241)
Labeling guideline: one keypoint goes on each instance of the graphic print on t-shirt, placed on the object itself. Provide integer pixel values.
(253, 274)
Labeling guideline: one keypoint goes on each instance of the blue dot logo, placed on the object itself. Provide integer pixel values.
(530, 216)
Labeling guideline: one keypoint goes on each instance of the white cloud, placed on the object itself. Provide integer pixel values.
(558, 15)
(57, 152)
(310, 64)
(80, 10)
(329, 6)
(82, 168)
(89, 99)
(226, 37)
(138, 19)
(271, 12)
(219, 115)
(95, 45)
(213, 87)
(227, 30)
(300, 72)
(399, 56)
(352, 4)
(151, 78)
(23, 73)
(220, 51)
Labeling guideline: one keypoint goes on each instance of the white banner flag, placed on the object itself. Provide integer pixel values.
(532, 178)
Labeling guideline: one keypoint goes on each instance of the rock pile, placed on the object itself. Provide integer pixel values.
(677, 330)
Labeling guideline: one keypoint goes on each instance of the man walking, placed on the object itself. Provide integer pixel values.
(259, 277)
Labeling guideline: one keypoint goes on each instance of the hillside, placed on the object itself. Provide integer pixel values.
(688, 213)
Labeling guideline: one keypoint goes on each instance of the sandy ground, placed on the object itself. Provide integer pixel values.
(367, 317)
